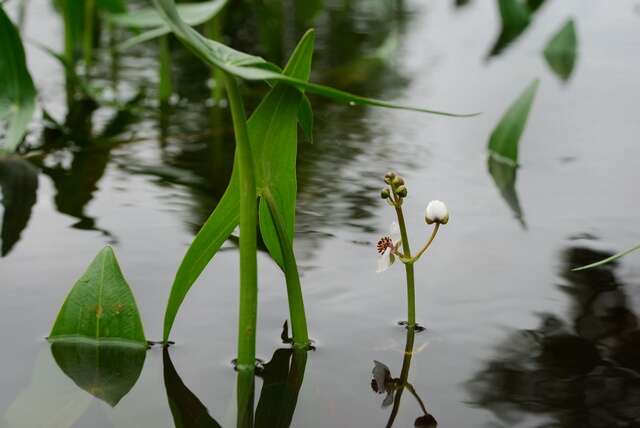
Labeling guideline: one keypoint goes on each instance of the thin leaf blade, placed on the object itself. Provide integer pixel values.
(560, 52)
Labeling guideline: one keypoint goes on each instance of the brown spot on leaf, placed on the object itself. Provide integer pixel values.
(99, 311)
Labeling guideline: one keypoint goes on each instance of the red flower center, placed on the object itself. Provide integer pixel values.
(384, 243)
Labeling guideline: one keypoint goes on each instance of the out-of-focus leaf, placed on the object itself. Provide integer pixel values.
(534, 5)
(515, 18)
(608, 259)
(100, 307)
(254, 68)
(105, 370)
(17, 92)
(149, 19)
(503, 143)
(19, 185)
(112, 6)
(187, 410)
(560, 52)
(504, 176)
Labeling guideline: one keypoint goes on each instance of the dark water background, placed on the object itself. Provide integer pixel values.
(513, 337)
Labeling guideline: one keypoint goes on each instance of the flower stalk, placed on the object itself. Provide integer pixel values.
(391, 248)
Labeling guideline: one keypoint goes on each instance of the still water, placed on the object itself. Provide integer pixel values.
(513, 337)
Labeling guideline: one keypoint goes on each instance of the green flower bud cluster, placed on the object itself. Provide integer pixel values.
(396, 190)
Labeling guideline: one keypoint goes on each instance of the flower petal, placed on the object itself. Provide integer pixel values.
(394, 232)
(385, 260)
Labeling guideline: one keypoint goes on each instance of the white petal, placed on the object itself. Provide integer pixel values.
(385, 260)
(437, 212)
(394, 232)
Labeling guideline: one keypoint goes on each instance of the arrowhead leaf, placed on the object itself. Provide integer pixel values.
(560, 52)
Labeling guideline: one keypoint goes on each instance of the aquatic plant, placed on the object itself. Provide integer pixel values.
(264, 169)
(396, 245)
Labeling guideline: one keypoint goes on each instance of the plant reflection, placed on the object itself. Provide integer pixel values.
(19, 185)
(383, 383)
(282, 379)
(104, 370)
(585, 373)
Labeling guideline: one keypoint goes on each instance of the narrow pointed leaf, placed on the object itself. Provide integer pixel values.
(503, 143)
(608, 259)
(504, 177)
(254, 68)
(560, 52)
(305, 119)
(100, 307)
(17, 92)
(150, 20)
(515, 18)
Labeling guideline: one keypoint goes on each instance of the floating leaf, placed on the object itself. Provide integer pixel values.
(149, 19)
(503, 143)
(608, 259)
(254, 68)
(17, 92)
(105, 370)
(504, 176)
(187, 410)
(100, 307)
(560, 52)
(19, 185)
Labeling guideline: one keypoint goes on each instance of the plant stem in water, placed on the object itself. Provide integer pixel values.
(248, 231)
(166, 88)
(411, 293)
(89, 20)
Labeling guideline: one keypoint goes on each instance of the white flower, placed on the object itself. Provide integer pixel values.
(437, 213)
(388, 246)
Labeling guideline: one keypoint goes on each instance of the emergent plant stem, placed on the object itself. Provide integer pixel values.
(411, 292)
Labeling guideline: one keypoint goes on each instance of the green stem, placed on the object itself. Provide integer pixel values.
(426, 246)
(89, 20)
(214, 31)
(294, 290)
(245, 395)
(248, 231)
(165, 89)
(411, 289)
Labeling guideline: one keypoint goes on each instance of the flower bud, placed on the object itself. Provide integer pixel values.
(384, 194)
(389, 176)
(437, 212)
(397, 181)
(401, 191)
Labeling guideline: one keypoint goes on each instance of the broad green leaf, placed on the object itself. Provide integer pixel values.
(504, 176)
(100, 307)
(149, 19)
(503, 143)
(105, 370)
(17, 92)
(254, 68)
(608, 259)
(19, 185)
(187, 409)
(272, 123)
(515, 18)
(560, 52)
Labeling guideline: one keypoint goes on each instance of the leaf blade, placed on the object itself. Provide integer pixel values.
(560, 52)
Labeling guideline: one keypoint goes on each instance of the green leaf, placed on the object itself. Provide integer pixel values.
(112, 6)
(17, 92)
(19, 185)
(503, 143)
(515, 18)
(187, 409)
(608, 259)
(273, 136)
(560, 52)
(100, 307)
(105, 370)
(305, 118)
(149, 19)
(254, 68)
(504, 176)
